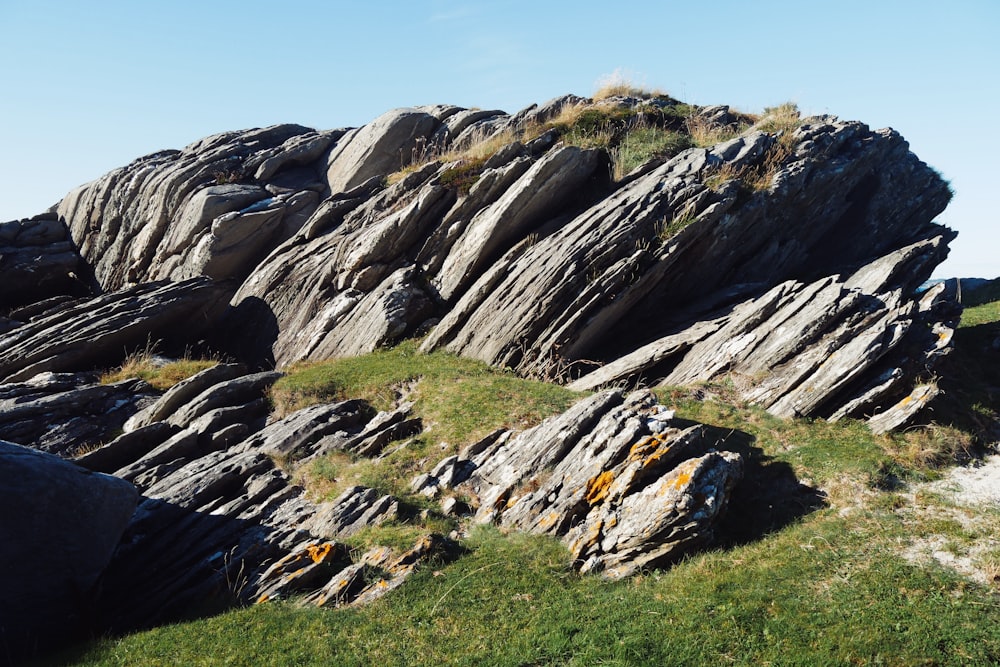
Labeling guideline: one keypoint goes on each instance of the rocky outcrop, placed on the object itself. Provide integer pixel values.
(219, 522)
(229, 195)
(60, 524)
(614, 477)
(67, 413)
(528, 256)
(785, 260)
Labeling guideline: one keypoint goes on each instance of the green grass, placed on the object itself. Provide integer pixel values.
(460, 400)
(970, 375)
(809, 567)
(645, 143)
(818, 592)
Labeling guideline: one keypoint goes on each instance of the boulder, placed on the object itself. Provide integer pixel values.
(60, 525)
(383, 146)
(615, 477)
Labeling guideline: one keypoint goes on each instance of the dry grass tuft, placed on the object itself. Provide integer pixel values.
(619, 84)
(161, 375)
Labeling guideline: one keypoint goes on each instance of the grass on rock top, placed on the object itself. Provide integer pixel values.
(460, 400)
(161, 376)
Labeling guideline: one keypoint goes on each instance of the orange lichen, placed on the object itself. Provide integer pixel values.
(319, 552)
(263, 598)
(597, 487)
(680, 477)
(548, 520)
(681, 480)
(649, 450)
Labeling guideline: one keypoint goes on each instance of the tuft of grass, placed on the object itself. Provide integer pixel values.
(644, 144)
(464, 175)
(619, 84)
(705, 133)
(668, 229)
(758, 176)
(782, 118)
(161, 376)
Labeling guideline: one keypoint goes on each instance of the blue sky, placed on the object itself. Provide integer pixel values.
(88, 86)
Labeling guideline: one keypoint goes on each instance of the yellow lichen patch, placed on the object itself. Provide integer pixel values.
(641, 449)
(680, 476)
(319, 552)
(905, 401)
(548, 520)
(681, 480)
(597, 487)
(263, 598)
(649, 450)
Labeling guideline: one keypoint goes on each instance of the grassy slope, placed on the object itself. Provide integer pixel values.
(801, 576)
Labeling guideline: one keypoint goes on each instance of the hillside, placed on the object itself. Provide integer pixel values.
(332, 368)
(844, 548)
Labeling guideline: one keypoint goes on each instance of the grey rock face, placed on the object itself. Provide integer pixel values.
(145, 220)
(64, 413)
(217, 517)
(81, 334)
(60, 524)
(380, 147)
(37, 261)
(786, 262)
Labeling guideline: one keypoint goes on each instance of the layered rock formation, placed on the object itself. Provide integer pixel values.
(784, 259)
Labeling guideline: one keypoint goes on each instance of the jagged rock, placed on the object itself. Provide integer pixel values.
(227, 393)
(216, 511)
(305, 432)
(64, 413)
(547, 185)
(121, 221)
(357, 508)
(60, 525)
(623, 486)
(618, 286)
(87, 333)
(37, 261)
(183, 392)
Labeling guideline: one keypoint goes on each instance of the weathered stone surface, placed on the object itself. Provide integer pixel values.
(380, 147)
(103, 330)
(623, 486)
(542, 190)
(37, 261)
(130, 222)
(64, 413)
(60, 524)
(215, 510)
(183, 392)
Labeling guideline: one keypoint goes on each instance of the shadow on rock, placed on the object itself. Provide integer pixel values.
(768, 498)
(249, 332)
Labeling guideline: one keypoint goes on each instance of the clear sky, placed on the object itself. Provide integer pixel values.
(87, 86)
